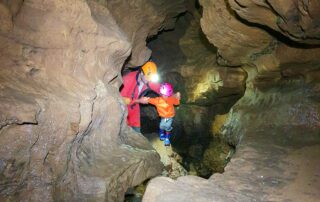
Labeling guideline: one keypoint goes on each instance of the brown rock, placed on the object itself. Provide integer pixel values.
(142, 19)
(277, 128)
(235, 41)
(286, 62)
(296, 19)
(276, 159)
(170, 159)
(63, 134)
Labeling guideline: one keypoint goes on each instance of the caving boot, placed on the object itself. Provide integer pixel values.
(162, 134)
(167, 139)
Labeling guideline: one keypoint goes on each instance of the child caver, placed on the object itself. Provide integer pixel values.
(165, 107)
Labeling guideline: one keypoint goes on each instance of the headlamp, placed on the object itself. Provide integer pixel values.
(154, 78)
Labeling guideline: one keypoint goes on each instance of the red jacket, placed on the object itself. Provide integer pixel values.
(165, 106)
(130, 90)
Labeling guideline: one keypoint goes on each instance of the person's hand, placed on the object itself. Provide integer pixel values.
(126, 100)
(144, 100)
(178, 95)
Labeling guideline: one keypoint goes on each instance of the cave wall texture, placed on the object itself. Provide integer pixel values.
(63, 134)
(62, 131)
(282, 56)
(275, 42)
(276, 124)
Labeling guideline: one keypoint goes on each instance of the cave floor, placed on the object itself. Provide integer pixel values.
(267, 166)
(170, 159)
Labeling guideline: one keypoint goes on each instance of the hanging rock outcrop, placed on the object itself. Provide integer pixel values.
(62, 120)
(236, 41)
(250, 33)
(296, 19)
(143, 19)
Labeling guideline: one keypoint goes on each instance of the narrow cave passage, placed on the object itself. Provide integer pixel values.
(248, 72)
(206, 133)
(187, 60)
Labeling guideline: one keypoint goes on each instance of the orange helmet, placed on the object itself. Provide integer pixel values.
(149, 70)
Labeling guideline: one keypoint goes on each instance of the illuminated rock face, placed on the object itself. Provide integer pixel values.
(62, 120)
(187, 60)
(276, 130)
(275, 125)
(275, 55)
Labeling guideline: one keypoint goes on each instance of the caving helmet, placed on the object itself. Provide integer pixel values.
(149, 70)
(166, 89)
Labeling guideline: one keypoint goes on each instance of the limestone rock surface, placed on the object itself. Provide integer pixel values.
(143, 19)
(278, 38)
(244, 39)
(236, 41)
(276, 159)
(276, 124)
(296, 19)
(62, 120)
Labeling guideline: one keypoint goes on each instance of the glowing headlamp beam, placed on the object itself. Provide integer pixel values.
(154, 78)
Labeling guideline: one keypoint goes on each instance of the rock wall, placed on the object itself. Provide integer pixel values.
(63, 134)
(278, 141)
(296, 19)
(235, 41)
(276, 124)
(143, 19)
(279, 53)
(242, 32)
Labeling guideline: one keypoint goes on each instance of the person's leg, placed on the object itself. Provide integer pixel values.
(161, 129)
(167, 139)
(137, 129)
(168, 129)
(161, 134)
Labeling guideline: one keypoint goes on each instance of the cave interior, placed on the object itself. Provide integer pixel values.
(247, 127)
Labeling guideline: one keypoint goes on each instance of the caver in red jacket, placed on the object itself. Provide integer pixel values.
(130, 90)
